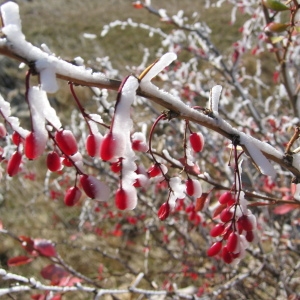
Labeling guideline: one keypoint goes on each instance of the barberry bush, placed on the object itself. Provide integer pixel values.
(174, 177)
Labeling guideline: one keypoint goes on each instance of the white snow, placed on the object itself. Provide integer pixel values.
(10, 14)
(214, 98)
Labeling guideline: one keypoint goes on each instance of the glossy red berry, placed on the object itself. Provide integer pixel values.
(197, 141)
(190, 187)
(214, 249)
(154, 170)
(164, 211)
(32, 149)
(226, 215)
(226, 197)
(226, 255)
(250, 236)
(245, 223)
(121, 199)
(108, 147)
(93, 187)
(72, 196)
(66, 141)
(116, 166)
(53, 161)
(16, 138)
(91, 145)
(13, 164)
(232, 241)
(217, 230)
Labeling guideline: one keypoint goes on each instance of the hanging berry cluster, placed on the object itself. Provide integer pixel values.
(237, 227)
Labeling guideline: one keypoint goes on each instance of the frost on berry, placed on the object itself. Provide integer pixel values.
(164, 211)
(125, 199)
(197, 141)
(108, 147)
(138, 141)
(157, 169)
(193, 188)
(92, 144)
(214, 249)
(72, 196)
(53, 161)
(33, 145)
(66, 141)
(14, 163)
(94, 188)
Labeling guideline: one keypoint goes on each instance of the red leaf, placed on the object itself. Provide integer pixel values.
(19, 260)
(45, 247)
(54, 273)
(285, 208)
(27, 243)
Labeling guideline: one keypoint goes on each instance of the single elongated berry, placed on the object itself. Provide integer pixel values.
(108, 147)
(94, 188)
(190, 187)
(214, 249)
(32, 147)
(16, 138)
(13, 164)
(197, 141)
(217, 230)
(226, 255)
(164, 211)
(154, 170)
(72, 196)
(245, 223)
(250, 236)
(92, 145)
(226, 197)
(232, 241)
(66, 141)
(121, 199)
(116, 166)
(226, 215)
(53, 161)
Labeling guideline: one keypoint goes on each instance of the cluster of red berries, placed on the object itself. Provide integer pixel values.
(237, 230)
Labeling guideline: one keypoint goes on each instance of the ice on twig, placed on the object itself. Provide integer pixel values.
(214, 98)
(257, 156)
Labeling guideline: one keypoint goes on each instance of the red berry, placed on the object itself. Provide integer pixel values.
(67, 162)
(91, 145)
(163, 211)
(226, 215)
(72, 196)
(116, 166)
(13, 164)
(121, 199)
(214, 249)
(245, 223)
(190, 187)
(226, 255)
(108, 147)
(217, 230)
(226, 197)
(197, 141)
(32, 148)
(53, 161)
(16, 138)
(66, 141)
(93, 187)
(154, 170)
(250, 236)
(232, 241)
